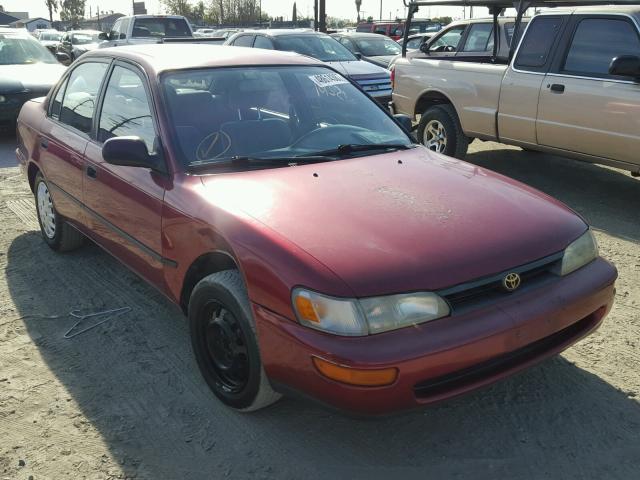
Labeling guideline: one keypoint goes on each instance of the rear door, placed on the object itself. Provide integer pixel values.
(518, 107)
(124, 204)
(583, 108)
(65, 133)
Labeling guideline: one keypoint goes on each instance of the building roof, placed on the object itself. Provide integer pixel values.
(161, 57)
(30, 20)
(6, 19)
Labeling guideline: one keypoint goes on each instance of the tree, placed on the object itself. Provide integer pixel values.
(294, 15)
(71, 10)
(52, 5)
(199, 12)
(177, 7)
(358, 5)
(443, 20)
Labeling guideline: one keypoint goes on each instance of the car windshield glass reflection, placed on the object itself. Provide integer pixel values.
(326, 49)
(278, 113)
(85, 38)
(372, 47)
(16, 50)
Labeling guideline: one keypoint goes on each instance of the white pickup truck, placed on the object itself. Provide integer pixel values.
(139, 29)
(571, 88)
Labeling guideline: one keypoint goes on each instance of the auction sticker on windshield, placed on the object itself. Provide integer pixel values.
(327, 79)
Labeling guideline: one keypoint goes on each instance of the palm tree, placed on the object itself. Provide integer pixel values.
(358, 5)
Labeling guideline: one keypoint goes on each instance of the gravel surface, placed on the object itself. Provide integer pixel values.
(125, 400)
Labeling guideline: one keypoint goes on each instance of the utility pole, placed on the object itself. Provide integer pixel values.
(315, 15)
(322, 17)
(380, 17)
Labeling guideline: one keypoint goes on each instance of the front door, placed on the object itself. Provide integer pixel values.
(582, 107)
(124, 204)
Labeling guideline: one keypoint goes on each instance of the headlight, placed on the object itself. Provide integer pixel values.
(399, 311)
(366, 316)
(579, 253)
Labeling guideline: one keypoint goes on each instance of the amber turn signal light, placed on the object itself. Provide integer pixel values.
(355, 376)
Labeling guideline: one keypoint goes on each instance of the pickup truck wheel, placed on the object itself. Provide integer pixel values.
(225, 344)
(439, 130)
(56, 232)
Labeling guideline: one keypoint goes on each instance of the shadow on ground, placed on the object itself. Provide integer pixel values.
(609, 199)
(135, 380)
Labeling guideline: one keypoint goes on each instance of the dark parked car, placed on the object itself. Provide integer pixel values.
(373, 79)
(76, 43)
(27, 70)
(371, 47)
(279, 206)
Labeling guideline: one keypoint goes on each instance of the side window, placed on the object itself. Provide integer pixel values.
(54, 111)
(114, 34)
(243, 41)
(381, 29)
(535, 48)
(263, 42)
(126, 110)
(596, 42)
(449, 40)
(347, 43)
(480, 38)
(414, 43)
(79, 101)
(124, 28)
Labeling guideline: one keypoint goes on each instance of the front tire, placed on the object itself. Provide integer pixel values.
(56, 232)
(440, 131)
(225, 344)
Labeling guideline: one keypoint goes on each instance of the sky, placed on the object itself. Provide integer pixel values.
(335, 8)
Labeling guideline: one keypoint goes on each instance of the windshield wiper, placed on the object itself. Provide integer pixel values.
(349, 148)
(244, 161)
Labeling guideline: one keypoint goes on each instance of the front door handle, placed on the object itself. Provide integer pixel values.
(92, 172)
(557, 88)
(44, 143)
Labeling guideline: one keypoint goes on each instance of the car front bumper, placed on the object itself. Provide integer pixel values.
(443, 358)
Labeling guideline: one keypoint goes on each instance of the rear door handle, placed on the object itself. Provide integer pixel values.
(92, 172)
(44, 143)
(557, 88)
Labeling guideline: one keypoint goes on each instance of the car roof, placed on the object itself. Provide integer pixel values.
(162, 57)
(285, 31)
(360, 35)
(632, 11)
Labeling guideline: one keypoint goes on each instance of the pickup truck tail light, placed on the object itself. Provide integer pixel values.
(393, 77)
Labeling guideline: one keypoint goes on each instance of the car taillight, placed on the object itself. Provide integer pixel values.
(393, 77)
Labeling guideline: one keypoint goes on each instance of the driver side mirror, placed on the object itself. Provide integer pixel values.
(358, 55)
(424, 48)
(626, 66)
(130, 152)
(103, 36)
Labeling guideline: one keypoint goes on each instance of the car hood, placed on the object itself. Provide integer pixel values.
(404, 221)
(358, 67)
(86, 47)
(381, 60)
(38, 77)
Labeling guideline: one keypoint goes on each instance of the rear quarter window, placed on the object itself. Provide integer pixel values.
(536, 46)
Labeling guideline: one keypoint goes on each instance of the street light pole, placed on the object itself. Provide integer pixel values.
(380, 17)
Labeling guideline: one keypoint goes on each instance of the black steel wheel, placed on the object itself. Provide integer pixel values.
(225, 344)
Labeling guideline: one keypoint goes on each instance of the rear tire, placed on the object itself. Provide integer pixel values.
(225, 343)
(440, 131)
(56, 232)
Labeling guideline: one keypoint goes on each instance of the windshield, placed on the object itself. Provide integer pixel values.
(54, 37)
(372, 47)
(84, 38)
(161, 27)
(15, 50)
(278, 113)
(323, 48)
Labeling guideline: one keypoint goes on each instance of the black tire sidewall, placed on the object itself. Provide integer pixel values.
(54, 242)
(436, 113)
(198, 306)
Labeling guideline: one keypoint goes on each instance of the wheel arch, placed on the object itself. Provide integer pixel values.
(203, 266)
(32, 171)
(429, 99)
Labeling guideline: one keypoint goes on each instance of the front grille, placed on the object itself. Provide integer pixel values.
(500, 364)
(473, 294)
(375, 86)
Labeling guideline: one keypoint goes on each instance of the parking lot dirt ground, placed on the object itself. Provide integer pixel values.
(125, 399)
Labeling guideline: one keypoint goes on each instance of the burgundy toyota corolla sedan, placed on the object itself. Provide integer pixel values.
(314, 247)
